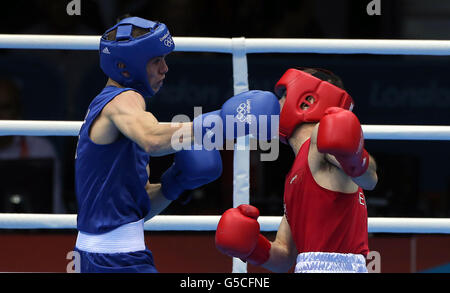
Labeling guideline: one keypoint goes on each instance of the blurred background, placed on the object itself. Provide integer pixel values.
(414, 176)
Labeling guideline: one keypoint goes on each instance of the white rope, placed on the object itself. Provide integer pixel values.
(224, 45)
(209, 223)
(73, 42)
(71, 128)
(49, 42)
(407, 132)
(349, 46)
(409, 225)
(40, 128)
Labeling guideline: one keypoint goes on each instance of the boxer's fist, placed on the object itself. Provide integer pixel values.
(244, 113)
(340, 134)
(247, 108)
(238, 235)
(190, 169)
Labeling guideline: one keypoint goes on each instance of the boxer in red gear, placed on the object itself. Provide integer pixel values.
(324, 227)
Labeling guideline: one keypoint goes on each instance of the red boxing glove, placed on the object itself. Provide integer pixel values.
(340, 135)
(238, 235)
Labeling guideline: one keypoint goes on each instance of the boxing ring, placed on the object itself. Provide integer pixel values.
(238, 48)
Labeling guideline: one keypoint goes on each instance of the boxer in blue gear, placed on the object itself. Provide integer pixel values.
(118, 136)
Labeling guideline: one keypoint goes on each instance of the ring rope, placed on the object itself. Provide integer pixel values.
(209, 223)
(71, 128)
(225, 45)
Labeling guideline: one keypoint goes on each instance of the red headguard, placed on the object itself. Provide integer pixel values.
(299, 85)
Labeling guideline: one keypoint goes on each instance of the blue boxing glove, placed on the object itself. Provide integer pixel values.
(190, 169)
(248, 113)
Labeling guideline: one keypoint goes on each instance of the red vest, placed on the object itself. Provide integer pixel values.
(322, 220)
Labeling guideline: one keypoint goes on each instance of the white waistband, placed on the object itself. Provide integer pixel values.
(126, 238)
(327, 262)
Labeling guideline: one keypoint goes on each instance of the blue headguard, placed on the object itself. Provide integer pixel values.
(134, 53)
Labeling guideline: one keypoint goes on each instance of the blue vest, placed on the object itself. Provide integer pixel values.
(109, 179)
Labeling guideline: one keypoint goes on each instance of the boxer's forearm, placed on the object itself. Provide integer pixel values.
(366, 181)
(369, 179)
(280, 260)
(158, 201)
(128, 116)
(166, 138)
(283, 251)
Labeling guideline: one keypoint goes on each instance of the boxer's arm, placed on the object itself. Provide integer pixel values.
(127, 113)
(283, 252)
(367, 181)
(158, 201)
(316, 158)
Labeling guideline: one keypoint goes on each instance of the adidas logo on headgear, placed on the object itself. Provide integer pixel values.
(106, 51)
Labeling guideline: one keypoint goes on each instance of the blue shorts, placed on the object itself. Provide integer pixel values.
(130, 262)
